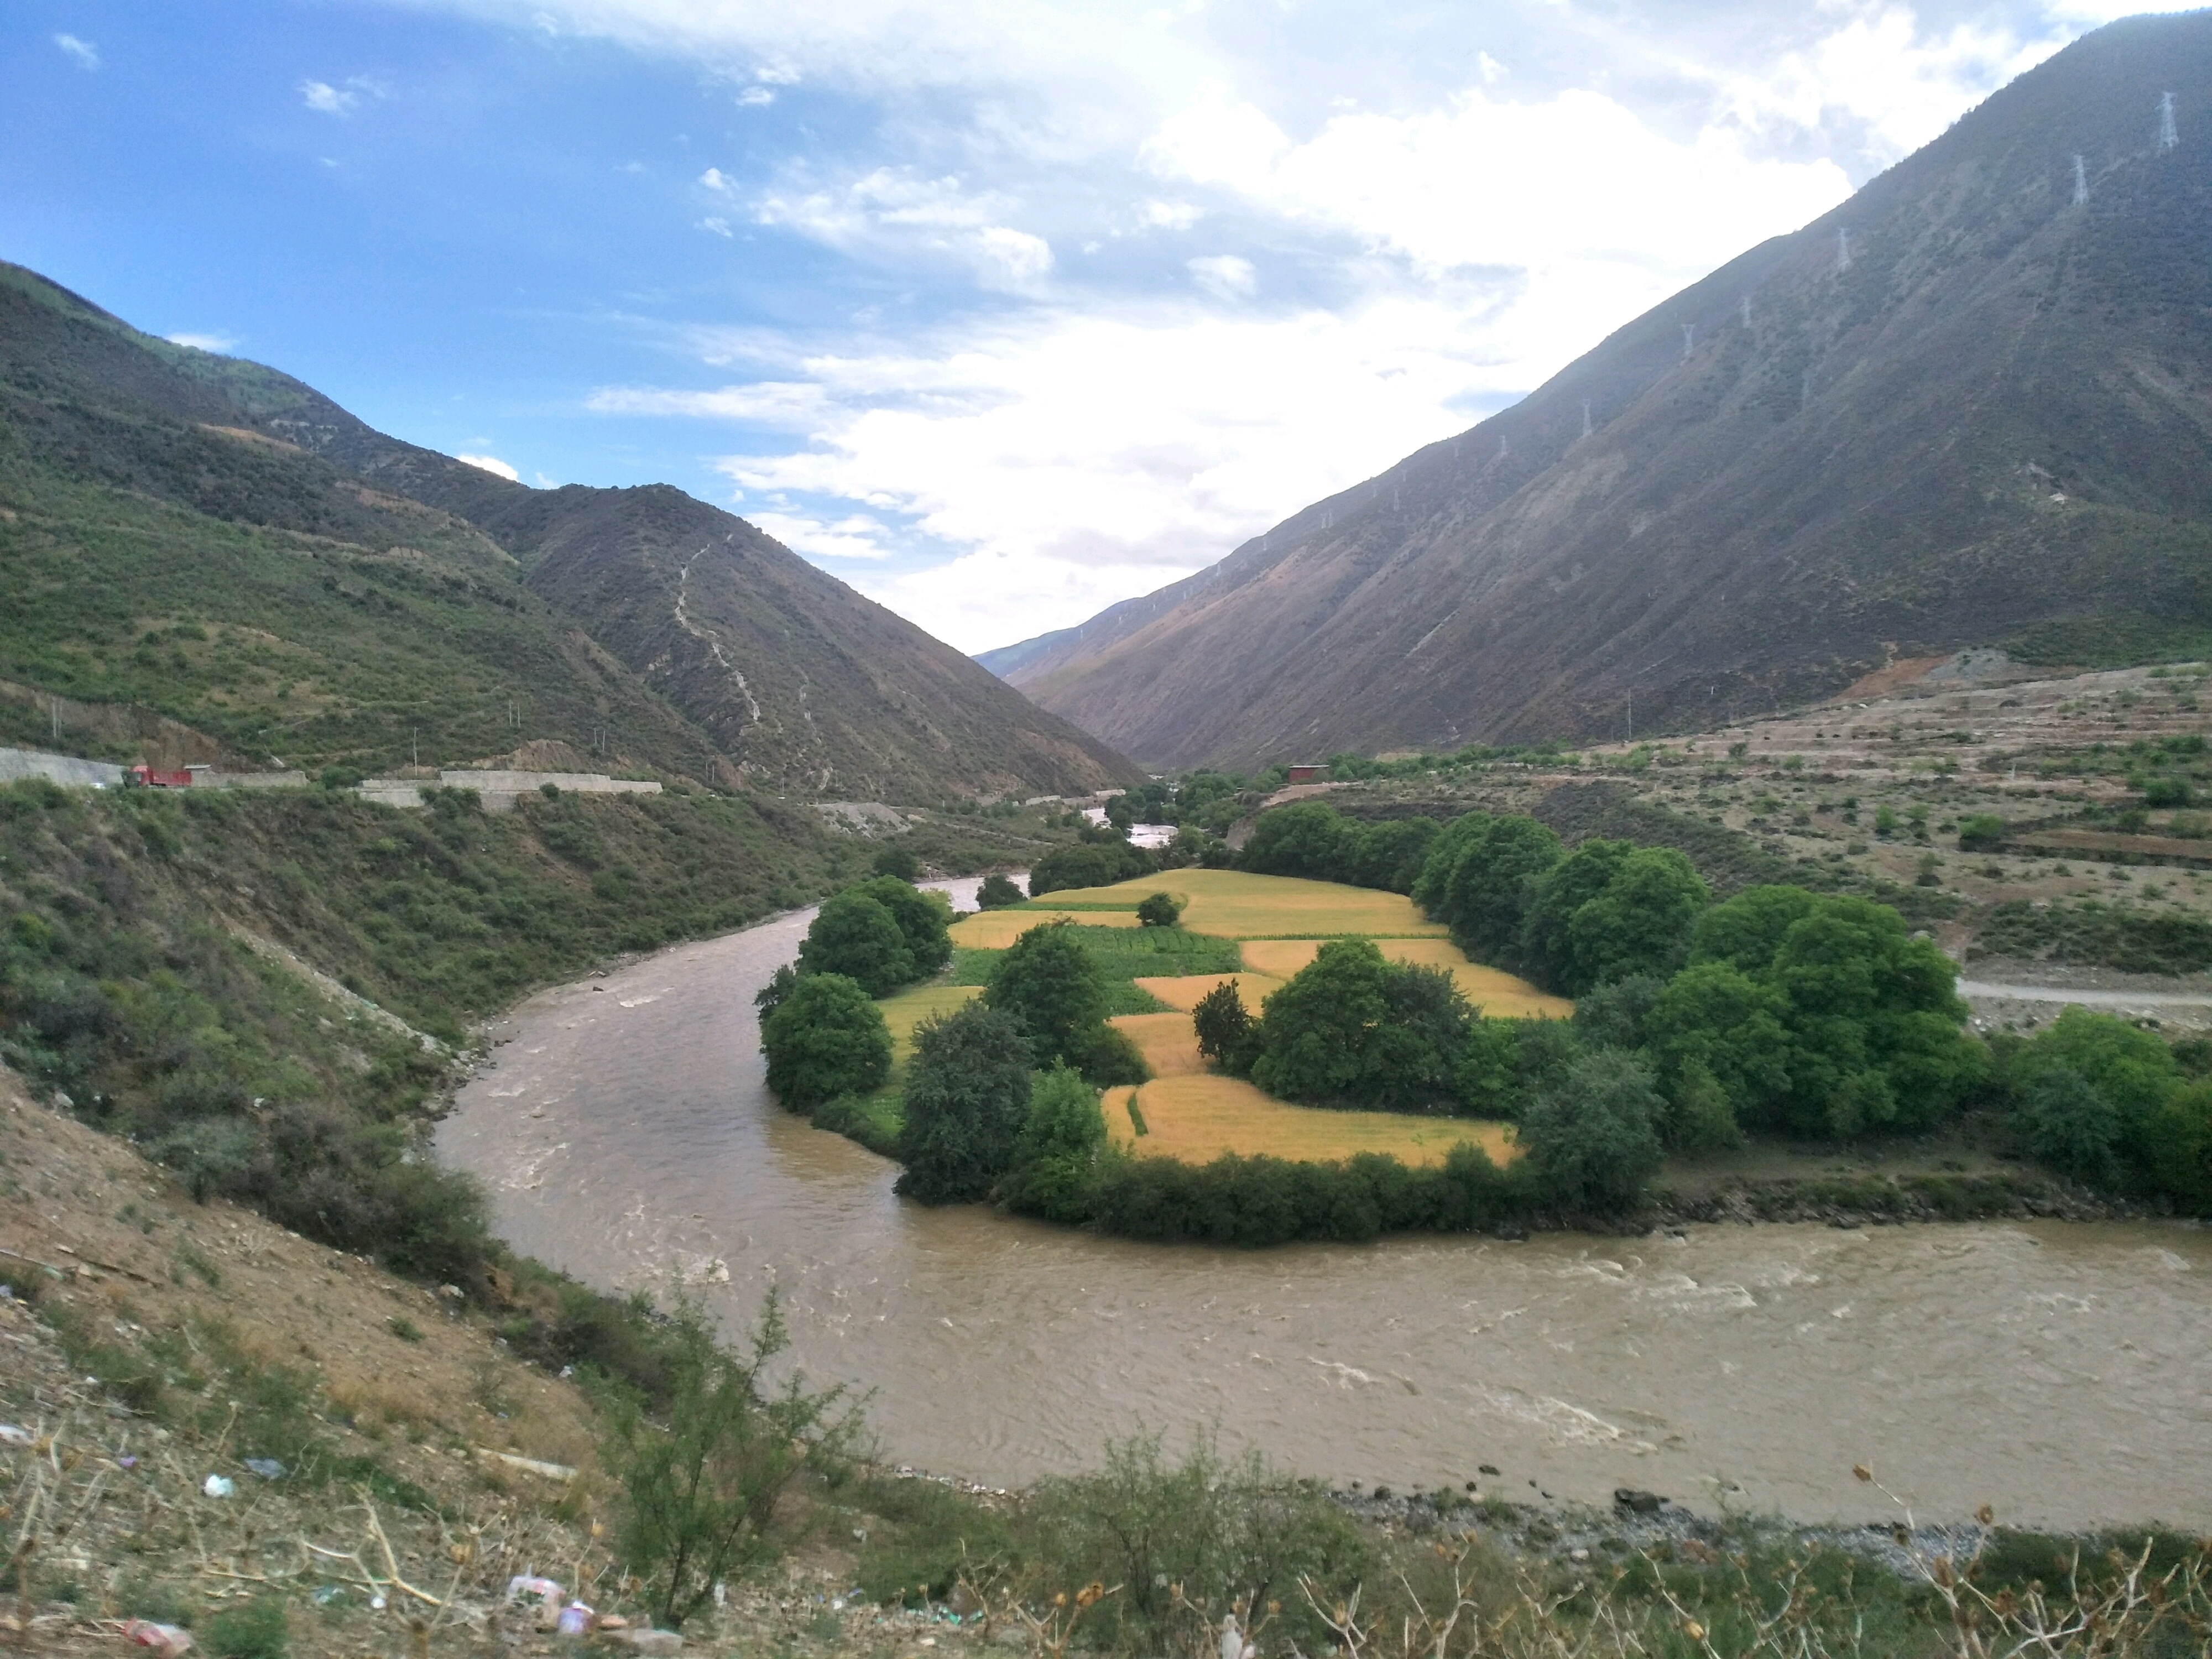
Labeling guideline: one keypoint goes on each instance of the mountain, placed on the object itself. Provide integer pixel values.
(1969, 406)
(212, 541)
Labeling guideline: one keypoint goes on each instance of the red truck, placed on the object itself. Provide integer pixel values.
(155, 778)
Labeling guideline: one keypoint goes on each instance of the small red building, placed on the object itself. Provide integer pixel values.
(1307, 775)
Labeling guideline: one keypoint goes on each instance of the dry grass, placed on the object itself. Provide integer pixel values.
(995, 930)
(908, 1009)
(1230, 904)
(1195, 1115)
(1182, 994)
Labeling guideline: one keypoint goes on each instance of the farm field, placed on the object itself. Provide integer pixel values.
(1231, 904)
(1195, 1115)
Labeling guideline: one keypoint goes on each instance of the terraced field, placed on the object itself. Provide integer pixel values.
(1190, 1113)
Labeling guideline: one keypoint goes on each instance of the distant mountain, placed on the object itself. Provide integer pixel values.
(1969, 406)
(216, 541)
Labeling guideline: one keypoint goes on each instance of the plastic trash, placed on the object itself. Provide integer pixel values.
(329, 1594)
(10, 1435)
(165, 1640)
(267, 1468)
(218, 1485)
(523, 1584)
(126, 1462)
(575, 1620)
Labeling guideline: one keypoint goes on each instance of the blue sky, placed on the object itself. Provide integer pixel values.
(1001, 310)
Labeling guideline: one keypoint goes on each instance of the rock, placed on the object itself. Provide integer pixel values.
(664, 1642)
(1486, 1468)
(1640, 1502)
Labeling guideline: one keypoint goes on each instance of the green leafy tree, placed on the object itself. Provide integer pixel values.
(2067, 1125)
(1056, 1155)
(2132, 1071)
(1225, 1027)
(897, 862)
(967, 1096)
(1389, 855)
(1315, 1028)
(1640, 924)
(1612, 1016)
(1159, 910)
(1591, 1143)
(1699, 1116)
(1480, 876)
(2176, 1148)
(997, 892)
(1506, 1063)
(1306, 839)
(827, 1038)
(701, 1476)
(1091, 864)
(1731, 1028)
(781, 984)
(1049, 983)
(1746, 930)
(855, 936)
(924, 919)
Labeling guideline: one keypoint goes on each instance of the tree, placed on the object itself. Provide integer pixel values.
(1056, 1154)
(1159, 910)
(1306, 839)
(1746, 930)
(1388, 854)
(1048, 983)
(923, 919)
(1640, 924)
(967, 1095)
(896, 862)
(699, 1479)
(1590, 1142)
(2134, 1071)
(1315, 1028)
(1096, 864)
(2067, 1125)
(997, 892)
(855, 936)
(1719, 1024)
(827, 1038)
(1479, 875)
(770, 996)
(1224, 1029)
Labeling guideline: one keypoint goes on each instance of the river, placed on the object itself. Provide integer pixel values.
(2061, 1373)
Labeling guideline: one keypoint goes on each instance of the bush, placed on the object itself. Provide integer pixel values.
(1591, 1143)
(896, 862)
(966, 1097)
(1159, 910)
(700, 1479)
(255, 1630)
(854, 936)
(1055, 1159)
(1089, 864)
(922, 917)
(1508, 1062)
(997, 892)
(2067, 1125)
(1984, 832)
(827, 1038)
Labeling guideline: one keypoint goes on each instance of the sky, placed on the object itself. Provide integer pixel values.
(1000, 310)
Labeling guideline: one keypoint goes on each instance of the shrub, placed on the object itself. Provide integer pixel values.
(1056, 1155)
(967, 1096)
(1090, 863)
(855, 937)
(997, 892)
(254, 1631)
(1984, 832)
(1159, 910)
(896, 862)
(2166, 792)
(827, 1038)
(699, 1481)
(2067, 1125)
(1591, 1142)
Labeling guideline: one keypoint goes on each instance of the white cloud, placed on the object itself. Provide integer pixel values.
(896, 212)
(1225, 275)
(492, 464)
(217, 344)
(82, 53)
(720, 227)
(853, 536)
(322, 96)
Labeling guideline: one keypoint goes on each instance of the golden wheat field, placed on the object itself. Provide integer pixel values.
(1497, 993)
(1231, 904)
(995, 930)
(907, 1009)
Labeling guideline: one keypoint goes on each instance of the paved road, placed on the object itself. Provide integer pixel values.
(1976, 988)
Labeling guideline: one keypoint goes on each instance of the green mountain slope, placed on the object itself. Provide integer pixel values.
(1962, 408)
(211, 539)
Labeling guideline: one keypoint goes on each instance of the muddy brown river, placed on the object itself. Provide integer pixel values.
(2061, 1371)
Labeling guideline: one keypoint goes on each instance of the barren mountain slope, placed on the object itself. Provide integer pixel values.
(1964, 407)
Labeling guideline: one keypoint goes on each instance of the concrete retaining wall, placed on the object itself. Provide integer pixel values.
(16, 763)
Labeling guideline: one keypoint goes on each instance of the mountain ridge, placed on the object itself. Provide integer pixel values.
(1960, 409)
(653, 624)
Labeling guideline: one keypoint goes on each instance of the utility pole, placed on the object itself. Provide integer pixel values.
(1632, 716)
